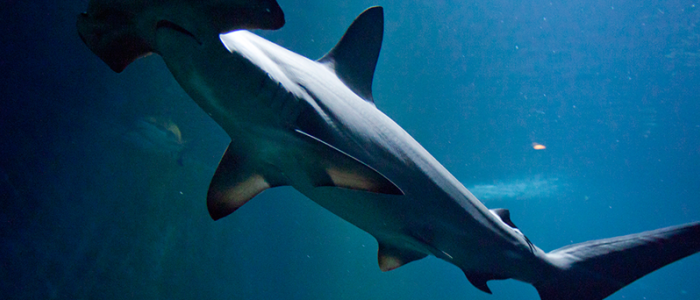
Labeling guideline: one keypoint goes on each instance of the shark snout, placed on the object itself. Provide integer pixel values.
(120, 32)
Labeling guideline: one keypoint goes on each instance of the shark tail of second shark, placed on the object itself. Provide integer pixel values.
(596, 269)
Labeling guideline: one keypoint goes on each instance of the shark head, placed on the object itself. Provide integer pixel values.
(121, 31)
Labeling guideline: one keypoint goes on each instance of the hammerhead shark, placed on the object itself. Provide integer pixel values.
(313, 125)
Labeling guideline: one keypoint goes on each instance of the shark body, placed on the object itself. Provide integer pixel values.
(313, 125)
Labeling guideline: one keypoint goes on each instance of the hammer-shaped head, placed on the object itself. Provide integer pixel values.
(121, 31)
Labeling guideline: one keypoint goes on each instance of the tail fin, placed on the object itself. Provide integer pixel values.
(596, 269)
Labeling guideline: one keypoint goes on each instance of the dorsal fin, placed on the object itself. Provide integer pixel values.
(355, 57)
(504, 214)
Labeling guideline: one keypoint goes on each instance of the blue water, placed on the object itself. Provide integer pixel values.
(97, 205)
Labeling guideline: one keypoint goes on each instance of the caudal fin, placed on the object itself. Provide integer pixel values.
(596, 269)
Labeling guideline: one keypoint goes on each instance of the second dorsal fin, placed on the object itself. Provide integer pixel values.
(504, 215)
(355, 56)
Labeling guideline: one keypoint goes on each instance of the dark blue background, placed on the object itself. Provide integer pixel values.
(611, 88)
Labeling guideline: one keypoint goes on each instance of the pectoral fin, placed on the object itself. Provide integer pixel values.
(342, 170)
(235, 181)
(390, 257)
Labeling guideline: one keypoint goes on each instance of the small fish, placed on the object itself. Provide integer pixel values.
(158, 136)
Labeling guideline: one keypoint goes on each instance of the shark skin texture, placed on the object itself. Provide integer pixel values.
(313, 125)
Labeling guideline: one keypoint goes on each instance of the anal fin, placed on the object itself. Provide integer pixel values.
(235, 181)
(478, 280)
